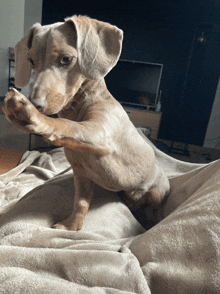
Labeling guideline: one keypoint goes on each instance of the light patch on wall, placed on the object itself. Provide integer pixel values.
(212, 138)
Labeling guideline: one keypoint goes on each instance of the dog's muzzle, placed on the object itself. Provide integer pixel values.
(39, 103)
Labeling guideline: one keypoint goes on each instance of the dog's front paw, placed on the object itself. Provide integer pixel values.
(21, 112)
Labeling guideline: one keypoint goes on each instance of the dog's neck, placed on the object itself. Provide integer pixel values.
(88, 94)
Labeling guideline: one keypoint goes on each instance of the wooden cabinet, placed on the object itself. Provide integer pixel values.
(145, 118)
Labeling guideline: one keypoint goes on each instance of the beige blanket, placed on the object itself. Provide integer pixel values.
(112, 253)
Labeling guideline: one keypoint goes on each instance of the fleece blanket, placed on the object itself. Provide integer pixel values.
(112, 253)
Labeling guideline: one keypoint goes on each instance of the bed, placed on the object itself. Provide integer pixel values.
(113, 253)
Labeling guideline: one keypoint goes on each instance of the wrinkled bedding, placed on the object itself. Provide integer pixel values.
(112, 253)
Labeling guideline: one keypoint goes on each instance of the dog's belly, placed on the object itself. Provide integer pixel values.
(114, 173)
(140, 178)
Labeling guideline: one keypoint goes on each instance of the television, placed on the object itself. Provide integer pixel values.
(135, 84)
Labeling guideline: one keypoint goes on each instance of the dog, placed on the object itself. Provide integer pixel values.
(70, 60)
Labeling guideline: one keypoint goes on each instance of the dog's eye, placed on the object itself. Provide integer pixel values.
(66, 60)
(31, 62)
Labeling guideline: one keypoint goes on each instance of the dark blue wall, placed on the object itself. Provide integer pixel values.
(165, 32)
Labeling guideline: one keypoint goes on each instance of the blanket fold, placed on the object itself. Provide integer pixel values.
(112, 253)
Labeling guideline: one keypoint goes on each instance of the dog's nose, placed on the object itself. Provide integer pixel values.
(39, 103)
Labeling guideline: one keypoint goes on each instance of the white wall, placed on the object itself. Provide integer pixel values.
(32, 13)
(11, 22)
(16, 17)
(11, 31)
(212, 138)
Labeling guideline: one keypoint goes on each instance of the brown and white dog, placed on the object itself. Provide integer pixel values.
(70, 60)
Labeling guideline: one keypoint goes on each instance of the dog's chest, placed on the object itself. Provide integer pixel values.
(84, 164)
(76, 159)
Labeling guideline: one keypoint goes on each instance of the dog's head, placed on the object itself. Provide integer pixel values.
(63, 55)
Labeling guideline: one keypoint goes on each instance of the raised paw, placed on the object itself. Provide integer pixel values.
(21, 112)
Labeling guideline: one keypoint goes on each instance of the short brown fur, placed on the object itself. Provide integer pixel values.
(100, 142)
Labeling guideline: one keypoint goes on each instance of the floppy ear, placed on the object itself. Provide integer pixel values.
(22, 65)
(99, 46)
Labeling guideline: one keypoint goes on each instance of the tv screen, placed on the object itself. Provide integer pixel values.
(135, 84)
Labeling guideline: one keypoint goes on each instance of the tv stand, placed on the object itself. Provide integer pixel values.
(145, 118)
